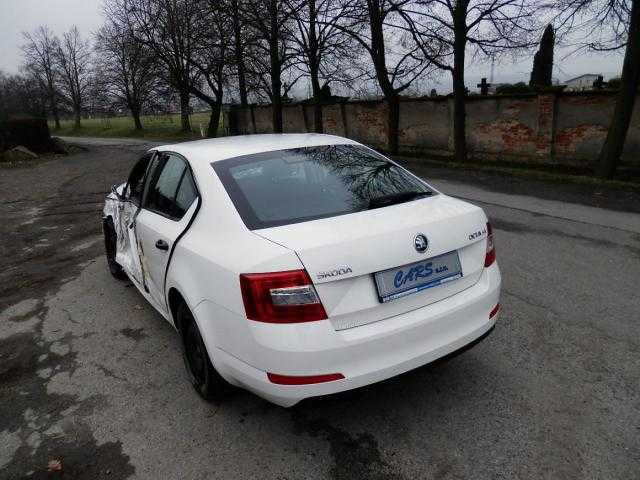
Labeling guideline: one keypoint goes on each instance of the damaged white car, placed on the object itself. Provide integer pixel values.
(301, 265)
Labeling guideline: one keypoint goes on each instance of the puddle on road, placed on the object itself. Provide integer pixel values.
(87, 244)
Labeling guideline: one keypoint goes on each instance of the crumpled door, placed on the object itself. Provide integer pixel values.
(123, 207)
(127, 253)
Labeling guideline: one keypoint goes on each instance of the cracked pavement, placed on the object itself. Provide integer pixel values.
(91, 375)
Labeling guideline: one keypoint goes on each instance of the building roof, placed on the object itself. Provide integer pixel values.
(583, 76)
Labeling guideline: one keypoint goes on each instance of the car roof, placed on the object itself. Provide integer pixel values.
(214, 149)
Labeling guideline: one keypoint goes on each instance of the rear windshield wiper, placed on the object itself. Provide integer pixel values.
(394, 198)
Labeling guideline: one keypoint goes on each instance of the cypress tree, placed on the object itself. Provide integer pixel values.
(543, 60)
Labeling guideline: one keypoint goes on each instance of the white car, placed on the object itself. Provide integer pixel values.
(301, 265)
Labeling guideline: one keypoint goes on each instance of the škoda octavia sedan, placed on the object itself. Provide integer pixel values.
(301, 265)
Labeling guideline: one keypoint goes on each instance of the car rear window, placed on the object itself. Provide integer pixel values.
(296, 185)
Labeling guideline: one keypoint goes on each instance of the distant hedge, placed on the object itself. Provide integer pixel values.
(514, 88)
(29, 132)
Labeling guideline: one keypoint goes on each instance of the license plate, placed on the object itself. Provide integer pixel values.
(401, 281)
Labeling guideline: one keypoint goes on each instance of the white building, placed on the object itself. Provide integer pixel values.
(583, 82)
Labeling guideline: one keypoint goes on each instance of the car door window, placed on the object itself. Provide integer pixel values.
(135, 184)
(172, 190)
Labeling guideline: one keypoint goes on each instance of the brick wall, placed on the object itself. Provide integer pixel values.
(565, 127)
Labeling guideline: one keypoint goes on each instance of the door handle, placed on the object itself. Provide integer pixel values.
(162, 245)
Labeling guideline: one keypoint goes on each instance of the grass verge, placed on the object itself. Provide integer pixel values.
(155, 127)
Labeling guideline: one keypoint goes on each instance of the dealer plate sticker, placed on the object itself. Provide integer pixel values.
(398, 282)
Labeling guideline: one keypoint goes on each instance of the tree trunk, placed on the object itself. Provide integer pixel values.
(132, 97)
(380, 64)
(76, 114)
(277, 109)
(314, 67)
(242, 83)
(459, 89)
(317, 105)
(276, 81)
(135, 113)
(617, 134)
(239, 54)
(214, 120)
(184, 111)
(56, 115)
(53, 103)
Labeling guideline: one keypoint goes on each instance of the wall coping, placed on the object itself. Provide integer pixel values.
(444, 98)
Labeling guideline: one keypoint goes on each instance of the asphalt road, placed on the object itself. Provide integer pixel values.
(92, 376)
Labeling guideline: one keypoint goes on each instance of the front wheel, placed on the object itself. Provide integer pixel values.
(110, 243)
(201, 372)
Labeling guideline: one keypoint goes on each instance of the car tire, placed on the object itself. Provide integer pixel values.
(201, 373)
(110, 242)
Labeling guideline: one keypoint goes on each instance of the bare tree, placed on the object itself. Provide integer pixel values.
(168, 28)
(606, 26)
(128, 69)
(73, 62)
(212, 59)
(379, 27)
(100, 101)
(446, 30)
(259, 79)
(269, 20)
(324, 48)
(39, 54)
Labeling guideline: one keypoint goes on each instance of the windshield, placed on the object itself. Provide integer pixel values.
(290, 186)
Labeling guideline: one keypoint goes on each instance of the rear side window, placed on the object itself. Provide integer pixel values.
(172, 189)
(290, 186)
(187, 193)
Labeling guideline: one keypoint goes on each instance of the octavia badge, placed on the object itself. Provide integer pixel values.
(421, 243)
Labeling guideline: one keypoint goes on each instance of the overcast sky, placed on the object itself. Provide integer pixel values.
(17, 16)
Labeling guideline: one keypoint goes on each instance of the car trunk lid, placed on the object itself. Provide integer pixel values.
(343, 253)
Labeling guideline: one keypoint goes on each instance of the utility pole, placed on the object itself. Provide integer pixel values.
(493, 67)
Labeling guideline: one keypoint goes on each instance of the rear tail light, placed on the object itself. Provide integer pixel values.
(494, 311)
(303, 380)
(281, 297)
(490, 255)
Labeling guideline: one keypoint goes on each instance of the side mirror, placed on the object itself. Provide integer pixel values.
(114, 190)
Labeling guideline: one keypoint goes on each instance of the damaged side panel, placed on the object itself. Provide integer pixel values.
(123, 213)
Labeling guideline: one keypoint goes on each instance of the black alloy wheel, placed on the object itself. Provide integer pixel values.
(201, 372)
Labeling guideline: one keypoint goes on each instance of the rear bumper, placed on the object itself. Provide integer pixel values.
(364, 355)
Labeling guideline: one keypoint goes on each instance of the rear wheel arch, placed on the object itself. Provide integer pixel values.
(209, 384)
(175, 299)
